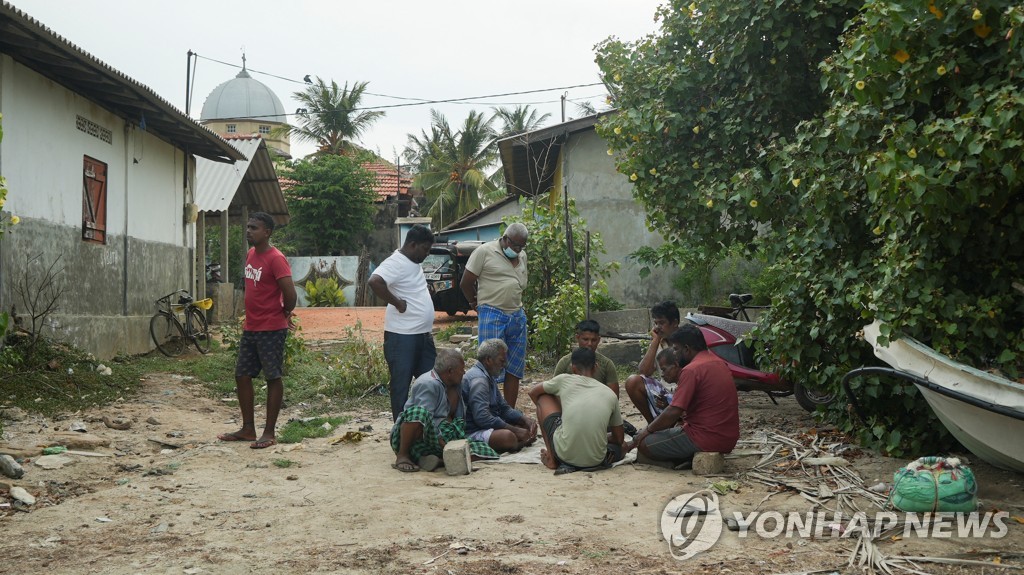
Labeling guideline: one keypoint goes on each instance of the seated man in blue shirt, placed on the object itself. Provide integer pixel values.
(489, 418)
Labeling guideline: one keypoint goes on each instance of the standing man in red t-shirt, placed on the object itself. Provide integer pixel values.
(269, 301)
(704, 414)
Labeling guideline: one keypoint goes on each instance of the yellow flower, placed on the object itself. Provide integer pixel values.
(941, 70)
(617, 78)
(712, 59)
(982, 30)
(753, 203)
(15, 220)
(696, 129)
(796, 182)
(710, 204)
(610, 152)
(860, 84)
(632, 177)
(877, 231)
(901, 56)
(617, 130)
(976, 15)
(773, 61)
(940, 153)
(654, 171)
(696, 165)
(693, 6)
(912, 153)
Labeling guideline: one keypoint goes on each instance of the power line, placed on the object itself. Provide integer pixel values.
(416, 101)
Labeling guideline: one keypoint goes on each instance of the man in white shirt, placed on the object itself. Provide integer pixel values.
(409, 318)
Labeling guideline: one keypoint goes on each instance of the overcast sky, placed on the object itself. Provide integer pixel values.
(433, 50)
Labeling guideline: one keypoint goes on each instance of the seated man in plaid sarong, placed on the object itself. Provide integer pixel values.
(434, 415)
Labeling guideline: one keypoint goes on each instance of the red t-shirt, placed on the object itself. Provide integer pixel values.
(264, 303)
(707, 394)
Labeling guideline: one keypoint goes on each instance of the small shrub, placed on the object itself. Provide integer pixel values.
(554, 320)
(324, 292)
(284, 463)
(296, 430)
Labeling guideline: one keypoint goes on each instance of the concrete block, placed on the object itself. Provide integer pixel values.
(636, 321)
(625, 351)
(708, 462)
(457, 458)
(459, 338)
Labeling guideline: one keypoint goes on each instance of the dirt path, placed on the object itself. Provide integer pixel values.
(210, 507)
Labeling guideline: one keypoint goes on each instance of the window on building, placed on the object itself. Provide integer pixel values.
(232, 128)
(94, 201)
(264, 129)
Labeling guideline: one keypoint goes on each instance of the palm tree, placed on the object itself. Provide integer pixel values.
(454, 165)
(331, 117)
(518, 120)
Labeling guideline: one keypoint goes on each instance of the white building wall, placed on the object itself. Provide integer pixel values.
(42, 160)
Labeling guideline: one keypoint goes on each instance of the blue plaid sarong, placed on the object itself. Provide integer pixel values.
(493, 323)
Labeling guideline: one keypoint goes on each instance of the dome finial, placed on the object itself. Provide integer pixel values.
(243, 59)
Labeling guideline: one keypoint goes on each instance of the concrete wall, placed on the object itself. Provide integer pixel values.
(604, 199)
(109, 292)
(148, 251)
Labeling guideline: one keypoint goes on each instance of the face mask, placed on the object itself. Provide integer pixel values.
(510, 253)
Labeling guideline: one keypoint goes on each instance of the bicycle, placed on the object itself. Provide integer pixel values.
(170, 335)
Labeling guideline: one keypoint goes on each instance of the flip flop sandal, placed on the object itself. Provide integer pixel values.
(405, 467)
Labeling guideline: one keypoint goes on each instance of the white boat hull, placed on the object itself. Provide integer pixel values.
(992, 436)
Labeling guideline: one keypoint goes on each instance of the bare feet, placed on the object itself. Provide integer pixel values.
(547, 459)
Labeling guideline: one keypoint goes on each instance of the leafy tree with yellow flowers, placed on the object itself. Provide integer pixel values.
(873, 150)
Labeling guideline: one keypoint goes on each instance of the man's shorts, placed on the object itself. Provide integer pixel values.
(261, 351)
(551, 424)
(671, 445)
(481, 435)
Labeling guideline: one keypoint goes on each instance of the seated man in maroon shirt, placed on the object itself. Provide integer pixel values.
(704, 413)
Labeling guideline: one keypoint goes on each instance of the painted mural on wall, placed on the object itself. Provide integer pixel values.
(317, 279)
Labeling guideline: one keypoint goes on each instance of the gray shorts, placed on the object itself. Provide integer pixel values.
(261, 351)
(671, 445)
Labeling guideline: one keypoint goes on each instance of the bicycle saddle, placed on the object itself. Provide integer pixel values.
(738, 299)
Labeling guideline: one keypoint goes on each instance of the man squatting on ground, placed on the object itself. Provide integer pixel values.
(269, 301)
(576, 411)
(409, 317)
(648, 394)
(706, 395)
(433, 416)
(489, 418)
(493, 283)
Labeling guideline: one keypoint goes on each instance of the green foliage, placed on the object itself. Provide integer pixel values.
(445, 334)
(333, 117)
(872, 150)
(453, 165)
(52, 377)
(284, 463)
(294, 344)
(236, 249)
(324, 293)
(331, 206)
(6, 221)
(548, 294)
(554, 323)
(298, 429)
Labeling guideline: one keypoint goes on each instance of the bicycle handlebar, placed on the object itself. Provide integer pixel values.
(168, 296)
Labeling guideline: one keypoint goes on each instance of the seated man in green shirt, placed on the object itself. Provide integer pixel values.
(576, 412)
(588, 336)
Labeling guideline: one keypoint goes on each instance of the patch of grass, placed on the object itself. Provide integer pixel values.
(445, 334)
(297, 430)
(284, 463)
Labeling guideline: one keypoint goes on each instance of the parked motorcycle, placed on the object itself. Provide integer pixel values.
(727, 337)
(213, 273)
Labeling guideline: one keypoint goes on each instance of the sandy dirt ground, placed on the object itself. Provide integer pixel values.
(172, 499)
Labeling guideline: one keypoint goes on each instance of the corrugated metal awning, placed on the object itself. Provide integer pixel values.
(249, 182)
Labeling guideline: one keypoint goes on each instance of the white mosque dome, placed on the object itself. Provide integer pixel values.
(242, 97)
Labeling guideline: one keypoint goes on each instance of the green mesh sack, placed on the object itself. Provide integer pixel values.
(934, 484)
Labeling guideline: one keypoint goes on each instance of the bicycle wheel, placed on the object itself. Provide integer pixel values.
(167, 335)
(198, 330)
